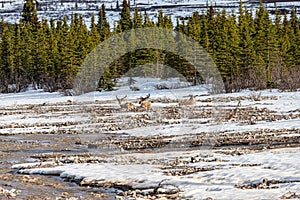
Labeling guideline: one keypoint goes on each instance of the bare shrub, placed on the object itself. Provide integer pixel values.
(257, 79)
(134, 88)
(290, 80)
(165, 86)
(255, 96)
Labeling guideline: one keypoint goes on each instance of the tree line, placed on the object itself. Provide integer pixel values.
(250, 51)
(256, 52)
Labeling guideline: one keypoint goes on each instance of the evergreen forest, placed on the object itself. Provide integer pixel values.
(254, 51)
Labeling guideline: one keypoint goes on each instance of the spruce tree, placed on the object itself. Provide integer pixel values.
(52, 83)
(94, 34)
(267, 48)
(66, 47)
(41, 54)
(79, 41)
(29, 13)
(125, 20)
(7, 57)
(204, 36)
(247, 53)
(137, 19)
(160, 20)
(147, 21)
(210, 16)
(233, 51)
(295, 38)
(222, 55)
(194, 27)
(28, 42)
(18, 75)
(168, 22)
(103, 25)
(68, 56)
(261, 47)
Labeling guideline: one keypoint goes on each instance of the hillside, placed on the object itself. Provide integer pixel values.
(11, 9)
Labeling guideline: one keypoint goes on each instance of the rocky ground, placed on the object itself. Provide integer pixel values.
(98, 131)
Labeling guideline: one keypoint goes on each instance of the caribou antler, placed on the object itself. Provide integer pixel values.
(144, 103)
(144, 98)
(121, 99)
(127, 105)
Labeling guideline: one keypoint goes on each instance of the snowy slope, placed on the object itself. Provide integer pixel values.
(11, 10)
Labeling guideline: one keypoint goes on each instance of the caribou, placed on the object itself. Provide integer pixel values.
(144, 103)
(126, 105)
